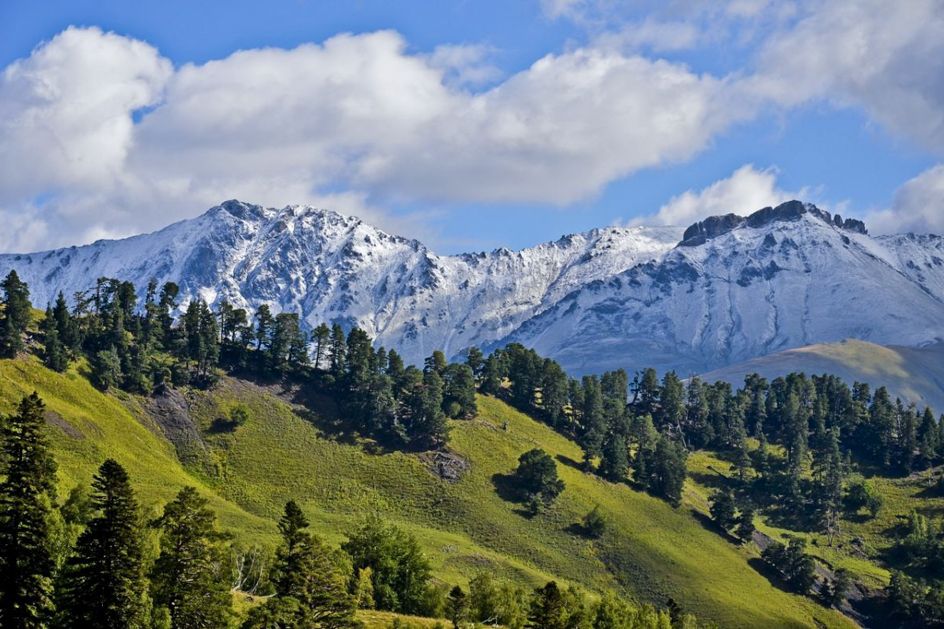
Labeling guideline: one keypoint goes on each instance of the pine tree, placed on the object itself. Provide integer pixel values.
(427, 425)
(669, 470)
(593, 421)
(308, 572)
(614, 463)
(320, 335)
(26, 496)
(104, 583)
(106, 369)
(547, 608)
(189, 577)
(459, 391)
(15, 315)
(54, 353)
(723, 509)
(65, 326)
(745, 523)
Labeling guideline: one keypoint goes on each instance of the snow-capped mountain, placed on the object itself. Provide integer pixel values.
(737, 288)
(724, 290)
(330, 267)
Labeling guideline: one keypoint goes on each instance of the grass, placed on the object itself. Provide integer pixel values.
(650, 550)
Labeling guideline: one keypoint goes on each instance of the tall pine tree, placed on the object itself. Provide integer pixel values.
(26, 496)
(104, 583)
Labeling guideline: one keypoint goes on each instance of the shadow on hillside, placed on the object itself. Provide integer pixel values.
(710, 525)
(507, 489)
(764, 569)
(569, 462)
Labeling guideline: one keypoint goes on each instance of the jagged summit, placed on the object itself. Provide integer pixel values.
(714, 226)
(726, 289)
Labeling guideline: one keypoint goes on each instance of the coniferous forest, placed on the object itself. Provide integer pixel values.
(800, 452)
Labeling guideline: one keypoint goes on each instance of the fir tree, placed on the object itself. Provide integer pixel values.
(669, 470)
(548, 608)
(104, 583)
(308, 572)
(614, 462)
(189, 577)
(26, 496)
(723, 509)
(745, 523)
(15, 315)
(54, 353)
(536, 477)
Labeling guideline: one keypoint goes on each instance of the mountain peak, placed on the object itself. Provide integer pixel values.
(714, 226)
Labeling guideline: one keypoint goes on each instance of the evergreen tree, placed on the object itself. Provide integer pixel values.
(593, 421)
(321, 335)
(554, 394)
(548, 608)
(476, 362)
(492, 375)
(837, 590)
(536, 477)
(745, 523)
(928, 439)
(104, 583)
(338, 348)
(65, 326)
(459, 391)
(645, 436)
(54, 353)
(614, 462)
(457, 607)
(594, 524)
(106, 369)
(399, 569)
(427, 424)
(189, 578)
(26, 496)
(723, 509)
(15, 315)
(669, 470)
(306, 571)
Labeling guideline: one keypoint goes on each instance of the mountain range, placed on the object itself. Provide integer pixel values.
(724, 290)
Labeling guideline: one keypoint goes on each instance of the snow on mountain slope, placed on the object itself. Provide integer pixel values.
(739, 288)
(330, 267)
(733, 289)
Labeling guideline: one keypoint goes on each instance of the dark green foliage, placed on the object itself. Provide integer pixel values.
(614, 461)
(792, 562)
(457, 606)
(915, 602)
(745, 524)
(106, 369)
(26, 497)
(459, 391)
(310, 581)
(190, 577)
(723, 509)
(104, 583)
(548, 609)
(400, 572)
(15, 315)
(838, 588)
(536, 477)
(54, 352)
(668, 476)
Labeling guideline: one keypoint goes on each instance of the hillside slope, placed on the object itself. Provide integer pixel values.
(915, 374)
(650, 550)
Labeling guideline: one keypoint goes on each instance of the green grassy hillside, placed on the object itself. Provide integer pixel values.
(650, 550)
(915, 374)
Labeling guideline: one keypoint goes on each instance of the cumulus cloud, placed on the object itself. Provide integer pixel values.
(354, 118)
(918, 206)
(746, 190)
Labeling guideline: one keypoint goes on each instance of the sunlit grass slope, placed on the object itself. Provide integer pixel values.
(87, 426)
(650, 549)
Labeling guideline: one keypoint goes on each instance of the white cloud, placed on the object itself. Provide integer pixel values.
(746, 190)
(357, 116)
(466, 65)
(918, 206)
(887, 58)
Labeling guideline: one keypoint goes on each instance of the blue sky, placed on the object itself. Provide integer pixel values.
(470, 125)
